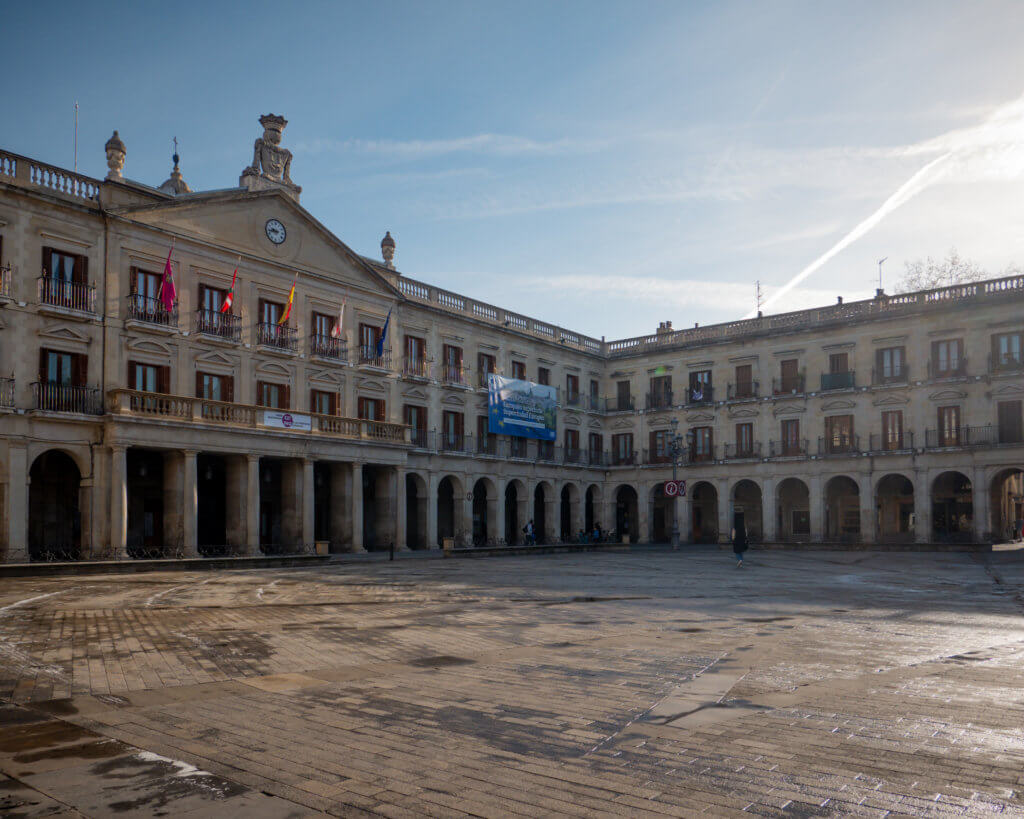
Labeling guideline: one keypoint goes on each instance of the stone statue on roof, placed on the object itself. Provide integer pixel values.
(270, 162)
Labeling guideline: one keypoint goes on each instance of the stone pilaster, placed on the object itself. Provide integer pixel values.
(398, 493)
(118, 502)
(307, 501)
(17, 494)
(357, 507)
(190, 504)
(252, 511)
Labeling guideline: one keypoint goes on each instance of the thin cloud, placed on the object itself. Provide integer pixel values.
(491, 144)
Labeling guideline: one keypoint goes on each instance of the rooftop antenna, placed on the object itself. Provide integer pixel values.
(880, 272)
(76, 137)
(758, 294)
(175, 156)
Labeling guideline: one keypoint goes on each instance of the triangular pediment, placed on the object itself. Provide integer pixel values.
(417, 393)
(572, 421)
(594, 424)
(947, 395)
(369, 385)
(236, 220)
(697, 417)
(622, 423)
(65, 332)
(838, 404)
(743, 413)
(273, 368)
(148, 345)
(328, 377)
(453, 401)
(217, 358)
(894, 400)
(789, 409)
(1009, 389)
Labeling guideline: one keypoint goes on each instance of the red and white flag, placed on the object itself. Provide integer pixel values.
(168, 292)
(230, 297)
(339, 327)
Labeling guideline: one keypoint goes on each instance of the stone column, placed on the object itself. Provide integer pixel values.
(577, 511)
(17, 504)
(684, 510)
(235, 499)
(252, 510)
(552, 517)
(85, 512)
(644, 511)
(609, 523)
(341, 510)
(401, 509)
(769, 515)
(922, 507)
(466, 526)
(499, 510)
(118, 502)
(190, 505)
(308, 499)
(357, 508)
(981, 504)
(432, 482)
(724, 511)
(291, 501)
(817, 508)
(868, 516)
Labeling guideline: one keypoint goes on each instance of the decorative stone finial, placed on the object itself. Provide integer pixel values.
(271, 164)
(175, 184)
(115, 156)
(387, 250)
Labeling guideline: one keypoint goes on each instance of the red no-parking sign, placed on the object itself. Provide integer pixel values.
(673, 489)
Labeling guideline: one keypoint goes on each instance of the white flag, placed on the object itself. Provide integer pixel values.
(338, 328)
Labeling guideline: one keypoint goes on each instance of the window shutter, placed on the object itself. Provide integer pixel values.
(79, 369)
(312, 401)
(199, 384)
(80, 273)
(262, 308)
(229, 388)
(286, 397)
(132, 383)
(163, 380)
(334, 403)
(260, 389)
(654, 443)
(48, 260)
(43, 354)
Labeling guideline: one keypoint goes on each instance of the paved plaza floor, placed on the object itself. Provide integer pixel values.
(645, 683)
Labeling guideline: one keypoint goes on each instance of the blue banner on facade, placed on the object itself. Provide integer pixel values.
(521, 408)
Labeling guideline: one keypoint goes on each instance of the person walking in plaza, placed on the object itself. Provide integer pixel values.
(739, 539)
(531, 536)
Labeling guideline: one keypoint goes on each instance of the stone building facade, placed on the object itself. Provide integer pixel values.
(130, 430)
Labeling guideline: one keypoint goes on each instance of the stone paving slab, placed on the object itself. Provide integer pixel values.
(596, 684)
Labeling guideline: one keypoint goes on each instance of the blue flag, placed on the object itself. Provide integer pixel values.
(383, 336)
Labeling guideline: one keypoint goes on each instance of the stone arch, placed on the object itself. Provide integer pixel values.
(842, 509)
(54, 519)
(704, 509)
(592, 508)
(627, 513)
(663, 511)
(450, 494)
(543, 511)
(485, 511)
(1006, 504)
(952, 495)
(793, 510)
(747, 501)
(516, 513)
(568, 512)
(894, 508)
(417, 494)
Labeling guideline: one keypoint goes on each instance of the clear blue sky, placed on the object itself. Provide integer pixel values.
(600, 165)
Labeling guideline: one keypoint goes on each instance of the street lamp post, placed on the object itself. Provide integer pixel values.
(675, 448)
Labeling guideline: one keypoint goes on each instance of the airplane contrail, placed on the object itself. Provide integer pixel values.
(997, 143)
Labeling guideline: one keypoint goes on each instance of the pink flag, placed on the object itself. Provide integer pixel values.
(339, 328)
(167, 289)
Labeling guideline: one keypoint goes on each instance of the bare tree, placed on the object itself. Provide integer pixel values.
(924, 274)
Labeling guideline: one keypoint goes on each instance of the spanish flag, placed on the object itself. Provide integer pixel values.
(288, 307)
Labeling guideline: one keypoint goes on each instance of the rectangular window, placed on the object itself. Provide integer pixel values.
(624, 401)
(661, 392)
(572, 442)
(416, 418)
(452, 358)
(700, 386)
(839, 433)
(57, 368)
(839, 363)
(486, 365)
(595, 392)
(572, 389)
(452, 429)
(744, 440)
(744, 381)
(789, 380)
(64, 267)
(947, 358)
(415, 348)
(369, 335)
(270, 312)
(1009, 414)
(271, 395)
(949, 426)
(595, 446)
(622, 448)
(701, 449)
(322, 324)
(889, 364)
(371, 409)
(1006, 351)
(146, 286)
(148, 377)
(660, 452)
(323, 402)
(543, 376)
(892, 429)
(517, 446)
(214, 387)
(211, 299)
(519, 370)
(791, 444)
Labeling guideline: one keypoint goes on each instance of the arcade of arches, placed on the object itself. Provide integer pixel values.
(245, 504)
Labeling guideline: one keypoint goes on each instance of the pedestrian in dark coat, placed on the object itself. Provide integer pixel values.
(739, 539)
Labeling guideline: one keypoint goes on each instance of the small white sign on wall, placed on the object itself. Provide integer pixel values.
(287, 420)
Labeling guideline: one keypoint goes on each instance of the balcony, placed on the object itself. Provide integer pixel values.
(951, 370)
(6, 276)
(328, 347)
(456, 375)
(546, 451)
(573, 399)
(415, 367)
(6, 393)
(222, 413)
(451, 442)
(619, 458)
(788, 385)
(654, 458)
(891, 442)
(839, 445)
(961, 437)
(699, 395)
(224, 326)
(881, 378)
(593, 403)
(277, 337)
(596, 457)
(53, 397)
(659, 400)
(620, 403)
(701, 455)
(77, 296)
(486, 444)
(788, 449)
(741, 452)
(1007, 363)
(743, 391)
(419, 438)
(368, 357)
(574, 455)
(149, 310)
(846, 380)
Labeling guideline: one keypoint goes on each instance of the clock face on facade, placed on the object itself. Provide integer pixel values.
(275, 231)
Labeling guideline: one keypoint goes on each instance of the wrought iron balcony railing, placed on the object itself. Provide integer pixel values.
(369, 357)
(743, 390)
(455, 374)
(224, 326)
(789, 385)
(839, 445)
(6, 277)
(961, 436)
(659, 400)
(620, 403)
(846, 380)
(738, 452)
(277, 337)
(701, 454)
(895, 375)
(950, 370)
(788, 449)
(701, 394)
(151, 310)
(328, 347)
(1007, 363)
(69, 295)
(619, 458)
(892, 442)
(415, 367)
(53, 397)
